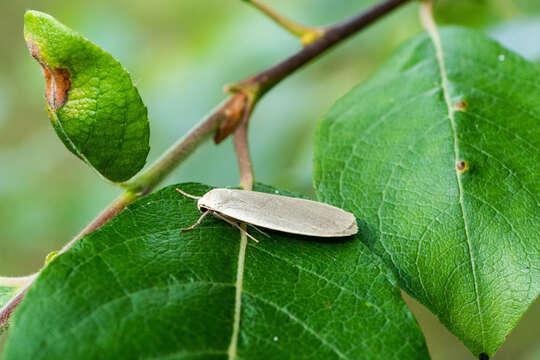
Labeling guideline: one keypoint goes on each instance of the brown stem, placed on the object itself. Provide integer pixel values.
(224, 117)
(241, 148)
(307, 34)
(257, 85)
(262, 82)
(225, 113)
(104, 217)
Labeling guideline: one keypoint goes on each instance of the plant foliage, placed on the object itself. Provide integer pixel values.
(438, 155)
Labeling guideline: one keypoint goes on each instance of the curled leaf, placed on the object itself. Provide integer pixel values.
(93, 105)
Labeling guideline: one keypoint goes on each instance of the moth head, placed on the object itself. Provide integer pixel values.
(201, 206)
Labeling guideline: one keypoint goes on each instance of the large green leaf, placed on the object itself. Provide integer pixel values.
(93, 105)
(141, 288)
(438, 153)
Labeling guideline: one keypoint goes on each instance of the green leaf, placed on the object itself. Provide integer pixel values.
(93, 105)
(141, 288)
(439, 156)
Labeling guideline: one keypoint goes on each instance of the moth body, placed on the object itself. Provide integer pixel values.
(277, 212)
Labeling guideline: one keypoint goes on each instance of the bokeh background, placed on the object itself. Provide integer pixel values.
(180, 54)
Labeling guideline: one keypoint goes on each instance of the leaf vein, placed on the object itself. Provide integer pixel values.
(291, 316)
(431, 28)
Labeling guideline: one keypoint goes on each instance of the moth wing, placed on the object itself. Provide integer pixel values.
(282, 213)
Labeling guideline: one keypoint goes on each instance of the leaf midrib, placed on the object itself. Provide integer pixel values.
(437, 43)
(233, 346)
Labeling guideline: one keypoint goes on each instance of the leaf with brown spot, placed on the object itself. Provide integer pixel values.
(57, 81)
(448, 189)
(93, 105)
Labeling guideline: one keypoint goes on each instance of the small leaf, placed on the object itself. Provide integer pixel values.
(438, 154)
(93, 105)
(141, 288)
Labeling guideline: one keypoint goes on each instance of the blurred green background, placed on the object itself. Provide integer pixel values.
(180, 54)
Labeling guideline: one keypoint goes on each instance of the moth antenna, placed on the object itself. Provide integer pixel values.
(235, 225)
(196, 223)
(188, 195)
(259, 230)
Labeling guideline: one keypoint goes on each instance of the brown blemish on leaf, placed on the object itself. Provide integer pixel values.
(462, 166)
(57, 81)
(231, 114)
(461, 105)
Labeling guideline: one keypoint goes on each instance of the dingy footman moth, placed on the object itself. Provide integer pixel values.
(275, 212)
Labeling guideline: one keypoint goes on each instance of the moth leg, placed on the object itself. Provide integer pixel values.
(259, 230)
(188, 195)
(196, 223)
(235, 225)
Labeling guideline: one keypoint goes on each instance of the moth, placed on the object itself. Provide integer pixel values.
(274, 212)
